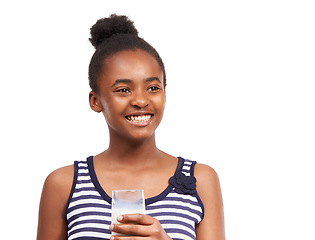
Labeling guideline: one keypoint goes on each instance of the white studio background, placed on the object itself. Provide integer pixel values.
(240, 98)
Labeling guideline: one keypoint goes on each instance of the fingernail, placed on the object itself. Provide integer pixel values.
(111, 227)
(112, 238)
(119, 218)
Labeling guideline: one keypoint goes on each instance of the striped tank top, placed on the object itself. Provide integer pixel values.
(178, 208)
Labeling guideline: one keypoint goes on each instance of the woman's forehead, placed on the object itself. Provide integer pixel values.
(131, 64)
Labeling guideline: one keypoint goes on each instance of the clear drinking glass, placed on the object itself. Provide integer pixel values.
(127, 202)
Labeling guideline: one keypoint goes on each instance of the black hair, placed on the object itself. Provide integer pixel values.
(111, 35)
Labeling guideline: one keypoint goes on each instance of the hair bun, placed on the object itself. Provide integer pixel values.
(106, 27)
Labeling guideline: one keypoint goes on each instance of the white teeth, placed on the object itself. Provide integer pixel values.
(141, 118)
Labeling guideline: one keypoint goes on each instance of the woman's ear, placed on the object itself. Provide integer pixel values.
(95, 103)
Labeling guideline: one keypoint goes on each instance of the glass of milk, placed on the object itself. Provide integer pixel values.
(127, 202)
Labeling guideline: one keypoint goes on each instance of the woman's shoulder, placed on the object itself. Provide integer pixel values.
(60, 180)
(209, 191)
(55, 194)
(208, 184)
(61, 174)
(204, 172)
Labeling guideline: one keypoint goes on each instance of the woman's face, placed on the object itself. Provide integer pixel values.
(131, 94)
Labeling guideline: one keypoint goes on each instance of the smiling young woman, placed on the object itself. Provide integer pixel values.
(183, 198)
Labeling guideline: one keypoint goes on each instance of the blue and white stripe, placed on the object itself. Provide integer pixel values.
(88, 211)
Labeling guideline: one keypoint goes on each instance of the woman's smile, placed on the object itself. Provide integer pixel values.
(140, 120)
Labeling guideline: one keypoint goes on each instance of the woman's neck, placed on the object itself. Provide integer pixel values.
(132, 152)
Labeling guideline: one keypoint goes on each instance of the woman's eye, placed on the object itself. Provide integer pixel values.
(154, 88)
(123, 90)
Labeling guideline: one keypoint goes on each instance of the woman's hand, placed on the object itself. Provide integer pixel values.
(138, 226)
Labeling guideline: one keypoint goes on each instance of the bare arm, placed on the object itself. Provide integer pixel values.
(51, 222)
(208, 187)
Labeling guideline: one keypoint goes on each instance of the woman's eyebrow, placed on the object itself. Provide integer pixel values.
(151, 79)
(121, 81)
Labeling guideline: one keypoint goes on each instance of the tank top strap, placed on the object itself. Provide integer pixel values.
(82, 170)
(81, 178)
(188, 167)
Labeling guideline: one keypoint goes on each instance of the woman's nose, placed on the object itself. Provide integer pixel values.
(140, 99)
